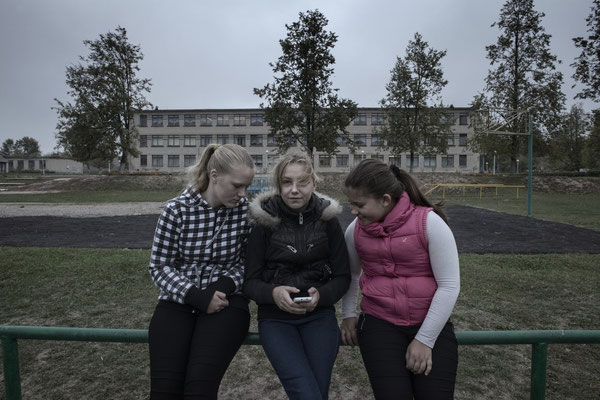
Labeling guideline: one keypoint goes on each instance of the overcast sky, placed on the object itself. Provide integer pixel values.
(212, 54)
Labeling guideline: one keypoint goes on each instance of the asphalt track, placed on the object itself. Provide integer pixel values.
(476, 231)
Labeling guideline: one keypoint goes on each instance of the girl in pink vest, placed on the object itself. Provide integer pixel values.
(410, 282)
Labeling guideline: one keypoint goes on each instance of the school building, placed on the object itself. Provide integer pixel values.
(172, 140)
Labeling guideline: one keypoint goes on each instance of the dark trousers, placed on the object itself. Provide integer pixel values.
(383, 348)
(190, 350)
(302, 352)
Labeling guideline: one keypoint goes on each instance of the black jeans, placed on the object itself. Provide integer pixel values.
(190, 350)
(383, 348)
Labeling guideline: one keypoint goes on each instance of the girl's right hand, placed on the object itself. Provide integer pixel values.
(281, 297)
(348, 329)
(217, 303)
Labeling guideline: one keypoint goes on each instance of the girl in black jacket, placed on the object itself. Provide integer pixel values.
(296, 270)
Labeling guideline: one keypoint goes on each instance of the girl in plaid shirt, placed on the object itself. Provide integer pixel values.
(197, 262)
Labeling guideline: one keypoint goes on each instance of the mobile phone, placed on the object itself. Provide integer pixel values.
(301, 297)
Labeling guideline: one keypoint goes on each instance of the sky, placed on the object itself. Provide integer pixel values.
(211, 54)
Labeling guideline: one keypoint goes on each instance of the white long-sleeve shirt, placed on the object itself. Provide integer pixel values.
(443, 256)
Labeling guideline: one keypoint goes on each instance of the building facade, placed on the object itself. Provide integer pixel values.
(40, 164)
(172, 140)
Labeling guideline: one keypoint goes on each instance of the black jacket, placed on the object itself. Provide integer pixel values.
(289, 248)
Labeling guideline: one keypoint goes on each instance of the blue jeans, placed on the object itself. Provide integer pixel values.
(302, 352)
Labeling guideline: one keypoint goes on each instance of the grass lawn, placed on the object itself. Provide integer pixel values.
(576, 209)
(91, 196)
(112, 289)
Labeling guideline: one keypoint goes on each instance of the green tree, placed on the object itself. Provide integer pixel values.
(566, 143)
(413, 122)
(523, 78)
(587, 64)
(591, 152)
(8, 147)
(106, 92)
(27, 146)
(302, 107)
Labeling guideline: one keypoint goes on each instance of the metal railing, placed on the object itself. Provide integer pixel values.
(539, 339)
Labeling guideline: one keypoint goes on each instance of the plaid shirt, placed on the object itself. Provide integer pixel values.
(195, 244)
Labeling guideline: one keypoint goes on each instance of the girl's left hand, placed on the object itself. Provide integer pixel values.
(418, 358)
(311, 305)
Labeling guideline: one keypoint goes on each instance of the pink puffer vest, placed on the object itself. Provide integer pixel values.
(397, 282)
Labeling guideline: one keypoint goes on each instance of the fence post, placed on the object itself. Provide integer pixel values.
(12, 379)
(539, 356)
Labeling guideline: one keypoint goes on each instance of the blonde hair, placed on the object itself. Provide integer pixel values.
(221, 158)
(301, 159)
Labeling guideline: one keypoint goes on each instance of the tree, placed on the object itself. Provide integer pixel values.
(302, 107)
(587, 64)
(566, 143)
(26, 146)
(591, 152)
(8, 147)
(523, 78)
(106, 92)
(411, 123)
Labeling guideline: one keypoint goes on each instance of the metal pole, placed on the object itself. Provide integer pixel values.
(539, 353)
(494, 167)
(529, 180)
(12, 379)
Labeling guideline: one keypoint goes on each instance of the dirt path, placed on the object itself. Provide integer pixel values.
(476, 231)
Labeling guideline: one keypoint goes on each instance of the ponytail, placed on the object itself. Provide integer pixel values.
(415, 194)
(221, 158)
(375, 178)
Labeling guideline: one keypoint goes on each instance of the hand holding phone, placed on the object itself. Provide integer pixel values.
(301, 297)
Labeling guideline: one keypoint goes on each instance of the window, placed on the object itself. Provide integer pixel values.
(463, 119)
(157, 161)
(359, 157)
(143, 141)
(341, 141)
(360, 140)
(324, 160)
(240, 140)
(144, 120)
(157, 141)
(205, 120)
(143, 160)
(450, 140)
(20, 165)
(239, 120)
(173, 141)
(173, 120)
(448, 161)
(377, 119)
(256, 140)
(222, 139)
(377, 157)
(189, 140)
(205, 140)
(462, 160)
(462, 139)
(415, 162)
(376, 140)
(173, 161)
(360, 119)
(157, 121)
(31, 164)
(256, 120)
(222, 120)
(10, 165)
(189, 160)
(189, 120)
(429, 161)
(42, 164)
(271, 141)
(258, 160)
(395, 161)
(272, 160)
(341, 160)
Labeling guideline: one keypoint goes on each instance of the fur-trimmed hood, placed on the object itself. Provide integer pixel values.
(268, 208)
